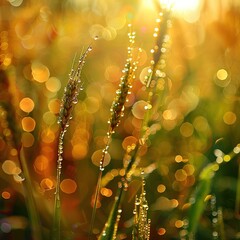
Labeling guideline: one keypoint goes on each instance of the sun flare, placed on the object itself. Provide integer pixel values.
(186, 9)
(189, 10)
(182, 5)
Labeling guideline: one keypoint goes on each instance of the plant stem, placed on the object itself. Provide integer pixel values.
(57, 203)
(69, 98)
(95, 205)
(237, 208)
(31, 206)
(111, 226)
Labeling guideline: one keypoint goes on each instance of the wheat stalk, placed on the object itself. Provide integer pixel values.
(117, 112)
(70, 97)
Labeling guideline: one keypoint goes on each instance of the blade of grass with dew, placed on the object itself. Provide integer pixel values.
(70, 95)
(198, 200)
(237, 206)
(111, 225)
(117, 111)
(203, 189)
(31, 206)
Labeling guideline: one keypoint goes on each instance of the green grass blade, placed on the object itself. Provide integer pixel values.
(198, 205)
(57, 216)
(202, 190)
(237, 208)
(111, 224)
(31, 206)
(95, 205)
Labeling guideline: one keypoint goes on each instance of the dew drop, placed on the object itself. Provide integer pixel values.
(137, 202)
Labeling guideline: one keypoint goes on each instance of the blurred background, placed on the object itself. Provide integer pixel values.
(197, 115)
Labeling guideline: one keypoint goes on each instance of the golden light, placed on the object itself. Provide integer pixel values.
(129, 142)
(161, 231)
(178, 158)
(27, 139)
(68, 186)
(189, 10)
(54, 106)
(10, 167)
(97, 155)
(49, 118)
(26, 104)
(40, 72)
(179, 224)
(6, 195)
(185, 5)
(229, 118)
(28, 124)
(48, 136)
(180, 175)
(222, 74)
(106, 192)
(189, 169)
(147, 4)
(175, 5)
(41, 163)
(186, 129)
(161, 188)
(53, 84)
(47, 184)
(79, 151)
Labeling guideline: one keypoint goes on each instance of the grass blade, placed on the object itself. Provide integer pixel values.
(202, 190)
(111, 225)
(31, 205)
(237, 207)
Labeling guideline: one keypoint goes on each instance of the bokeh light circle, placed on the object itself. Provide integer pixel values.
(68, 186)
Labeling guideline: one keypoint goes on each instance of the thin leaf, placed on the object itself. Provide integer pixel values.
(31, 205)
(202, 190)
(111, 225)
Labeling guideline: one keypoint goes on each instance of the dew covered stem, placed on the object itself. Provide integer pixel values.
(117, 112)
(70, 97)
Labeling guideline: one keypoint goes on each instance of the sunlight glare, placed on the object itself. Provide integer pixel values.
(187, 9)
